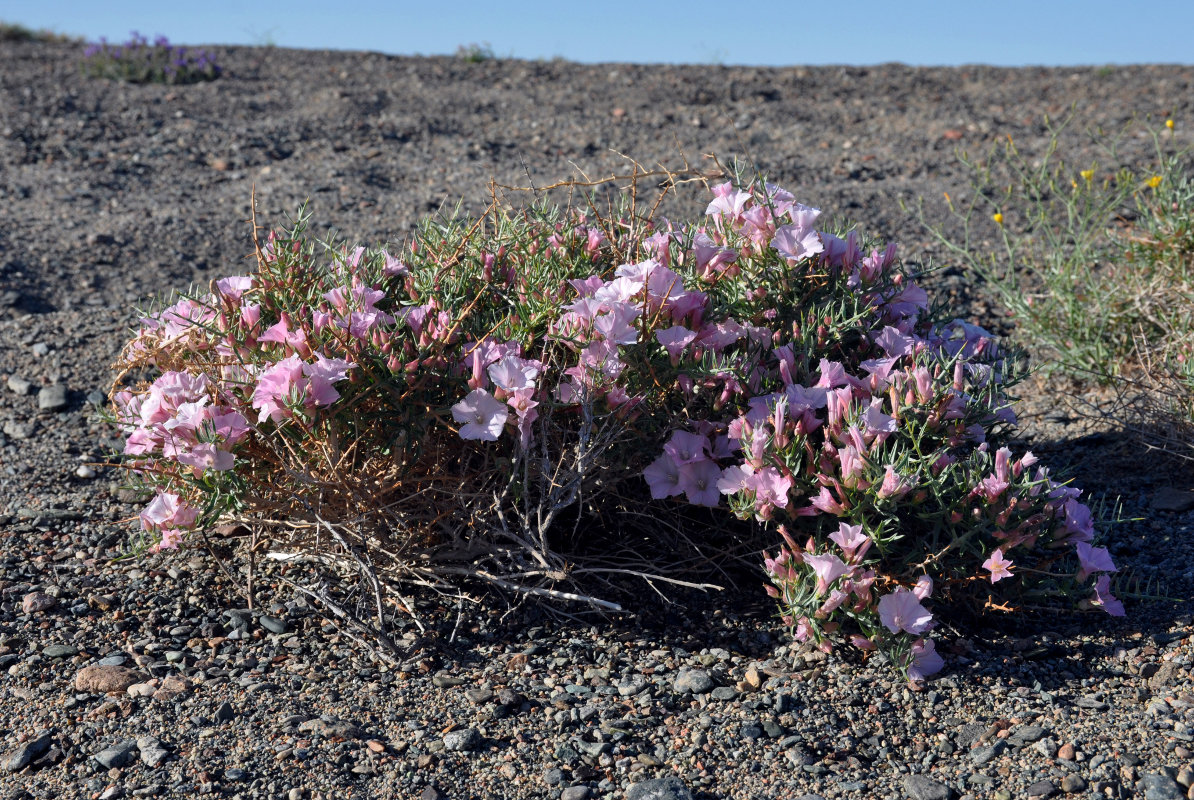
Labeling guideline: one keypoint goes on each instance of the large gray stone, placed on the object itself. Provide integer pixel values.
(1160, 787)
(52, 398)
(669, 788)
(26, 753)
(120, 754)
(922, 787)
(696, 681)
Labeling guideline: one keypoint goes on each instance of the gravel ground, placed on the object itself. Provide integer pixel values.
(152, 679)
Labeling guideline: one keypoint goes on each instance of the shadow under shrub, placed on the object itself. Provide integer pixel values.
(463, 409)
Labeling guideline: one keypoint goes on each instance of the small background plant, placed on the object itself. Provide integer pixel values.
(14, 32)
(139, 61)
(1094, 263)
(475, 53)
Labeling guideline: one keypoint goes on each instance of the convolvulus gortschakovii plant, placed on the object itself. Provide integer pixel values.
(438, 413)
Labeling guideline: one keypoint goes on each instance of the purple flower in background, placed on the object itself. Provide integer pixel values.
(1104, 599)
(686, 448)
(663, 476)
(1093, 559)
(698, 481)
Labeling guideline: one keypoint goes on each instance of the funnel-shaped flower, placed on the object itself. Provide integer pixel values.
(901, 611)
(1093, 559)
(828, 569)
(998, 566)
(483, 416)
(925, 660)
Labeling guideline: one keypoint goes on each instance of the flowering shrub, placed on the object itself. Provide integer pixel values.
(138, 61)
(431, 414)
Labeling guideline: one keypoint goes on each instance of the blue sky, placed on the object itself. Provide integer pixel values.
(919, 32)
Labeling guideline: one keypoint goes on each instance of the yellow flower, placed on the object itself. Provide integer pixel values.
(1154, 181)
(1169, 124)
(998, 218)
(1087, 175)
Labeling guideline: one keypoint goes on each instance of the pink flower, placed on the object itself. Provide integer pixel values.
(878, 425)
(322, 374)
(205, 456)
(230, 425)
(674, 340)
(1078, 521)
(797, 242)
(513, 373)
(908, 302)
(827, 567)
(233, 287)
(770, 488)
(698, 480)
(393, 266)
(276, 386)
(615, 326)
(998, 566)
(1093, 559)
(594, 238)
(734, 479)
(524, 404)
(711, 258)
(141, 442)
(901, 611)
(832, 603)
(728, 203)
(894, 343)
(894, 484)
(861, 642)
(852, 540)
(663, 476)
(851, 467)
(720, 335)
(924, 587)
(992, 488)
(827, 503)
(483, 416)
(588, 286)
(925, 660)
(832, 375)
(167, 510)
(171, 539)
(280, 333)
